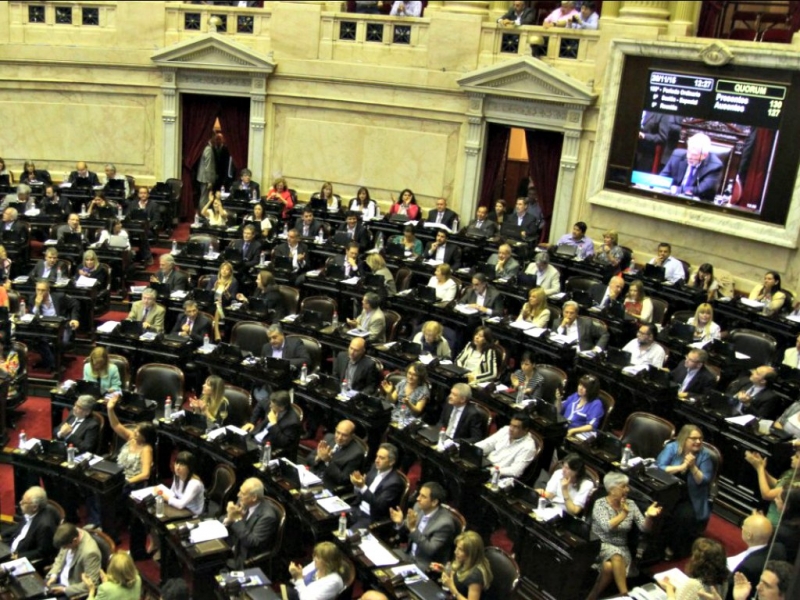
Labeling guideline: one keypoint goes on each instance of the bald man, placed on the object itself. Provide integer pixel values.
(83, 177)
(359, 369)
(610, 295)
(252, 522)
(756, 533)
(755, 394)
(337, 456)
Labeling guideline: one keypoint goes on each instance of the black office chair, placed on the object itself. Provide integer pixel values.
(291, 298)
(250, 336)
(646, 433)
(314, 349)
(156, 381)
(578, 283)
(554, 379)
(221, 491)
(402, 279)
(505, 572)
(239, 405)
(324, 305)
(393, 318)
(660, 310)
(608, 407)
(760, 347)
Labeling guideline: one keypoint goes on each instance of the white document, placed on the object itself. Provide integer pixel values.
(524, 325)
(548, 514)
(536, 332)
(214, 434)
(426, 358)
(351, 281)
(741, 419)
(21, 566)
(676, 577)
(377, 553)
(466, 310)
(138, 289)
(751, 303)
(334, 505)
(208, 530)
(85, 281)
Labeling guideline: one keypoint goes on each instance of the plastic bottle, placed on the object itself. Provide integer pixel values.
(222, 191)
(455, 225)
(266, 455)
(23, 438)
(379, 241)
(197, 219)
(627, 454)
(59, 273)
(174, 247)
(521, 392)
(22, 310)
(206, 341)
(159, 504)
(70, 455)
(495, 478)
(442, 438)
(342, 531)
(285, 230)
(345, 387)
(254, 196)
(83, 208)
(304, 373)
(404, 414)
(119, 212)
(168, 409)
(579, 253)
(334, 319)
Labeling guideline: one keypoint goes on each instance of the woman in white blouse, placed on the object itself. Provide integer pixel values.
(445, 287)
(322, 579)
(364, 204)
(569, 487)
(214, 211)
(187, 489)
(705, 330)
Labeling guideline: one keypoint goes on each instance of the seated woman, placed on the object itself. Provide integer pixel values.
(332, 201)
(432, 341)
(224, 284)
(121, 581)
(770, 294)
(409, 241)
(9, 362)
(99, 207)
(260, 219)
(5, 172)
(569, 487)
(441, 281)
(499, 213)
(214, 212)
(92, 269)
(114, 228)
(769, 486)
(363, 204)
(707, 570)
(267, 290)
(705, 330)
(637, 305)
(610, 241)
(99, 368)
(480, 357)
(527, 377)
(377, 265)
(212, 401)
(279, 192)
(322, 579)
(612, 519)
(535, 309)
(31, 174)
(414, 390)
(704, 280)
(5, 268)
(405, 205)
(547, 276)
(687, 459)
(583, 410)
(187, 491)
(471, 573)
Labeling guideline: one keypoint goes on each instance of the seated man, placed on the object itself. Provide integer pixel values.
(380, 490)
(147, 212)
(518, 15)
(247, 184)
(350, 261)
(281, 427)
(45, 304)
(20, 199)
(610, 295)
(578, 238)
(483, 297)
(443, 252)
(249, 247)
(693, 375)
(511, 448)
(78, 555)
(11, 222)
(754, 394)
(505, 265)
(193, 324)
(32, 538)
(356, 367)
(643, 348)
(481, 225)
(168, 275)
(82, 176)
(695, 171)
(307, 225)
(583, 331)
(337, 456)
(49, 268)
(111, 175)
(429, 529)
(279, 346)
(673, 268)
(791, 358)
(441, 214)
(356, 232)
(521, 223)
(756, 534)
(460, 419)
(73, 225)
(546, 275)
(81, 429)
(148, 312)
(252, 523)
(51, 198)
(774, 583)
(371, 318)
(294, 249)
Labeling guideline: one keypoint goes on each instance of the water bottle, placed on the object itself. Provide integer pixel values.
(455, 225)
(285, 230)
(521, 392)
(59, 273)
(379, 241)
(263, 259)
(222, 191)
(304, 373)
(404, 414)
(345, 387)
(495, 478)
(70, 455)
(342, 531)
(442, 438)
(542, 502)
(627, 454)
(23, 438)
(22, 310)
(266, 455)
(206, 341)
(83, 208)
(579, 253)
(197, 219)
(321, 235)
(334, 319)
(168, 409)
(254, 196)
(174, 247)
(119, 212)
(160, 504)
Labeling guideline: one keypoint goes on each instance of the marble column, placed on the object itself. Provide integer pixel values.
(473, 155)
(498, 8)
(467, 7)
(653, 14)
(682, 22)
(610, 9)
(170, 154)
(258, 103)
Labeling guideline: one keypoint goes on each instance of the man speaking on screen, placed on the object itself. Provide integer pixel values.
(695, 171)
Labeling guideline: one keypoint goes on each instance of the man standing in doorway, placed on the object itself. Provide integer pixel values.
(207, 169)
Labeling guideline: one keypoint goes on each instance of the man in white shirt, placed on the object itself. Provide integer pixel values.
(673, 268)
(644, 350)
(32, 538)
(406, 8)
(511, 448)
(111, 174)
(756, 533)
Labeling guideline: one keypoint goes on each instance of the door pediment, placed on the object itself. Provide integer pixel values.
(213, 52)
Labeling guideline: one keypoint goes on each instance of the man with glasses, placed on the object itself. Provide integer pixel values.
(337, 456)
(148, 312)
(45, 304)
(754, 395)
(80, 429)
(482, 296)
(644, 350)
(692, 375)
(32, 537)
(252, 523)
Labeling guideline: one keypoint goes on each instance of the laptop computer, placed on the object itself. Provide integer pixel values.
(334, 271)
(473, 455)
(340, 238)
(607, 446)
(87, 388)
(282, 263)
(107, 466)
(54, 450)
(566, 250)
(617, 357)
(130, 328)
(118, 241)
(373, 281)
(194, 248)
(426, 294)
(396, 250)
(682, 331)
(654, 272)
(526, 494)
(196, 421)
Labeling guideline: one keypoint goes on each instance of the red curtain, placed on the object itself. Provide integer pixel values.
(756, 175)
(197, 122)
(710, 13)
(234, 118)
(544, 156)
(497, 138)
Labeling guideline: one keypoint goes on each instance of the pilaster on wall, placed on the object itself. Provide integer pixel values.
(473, 152)
(170, 157)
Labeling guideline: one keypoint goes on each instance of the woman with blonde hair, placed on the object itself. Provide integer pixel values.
(322, 579)
(333, 201)
(121, 582)
(279, 192)
(224, 284)
(432, 341)
(212, 401)
(444, 285)
(705, 330)
(535, 309)
(472, 573)
(377, 265)
(99, 368)
(610, 241)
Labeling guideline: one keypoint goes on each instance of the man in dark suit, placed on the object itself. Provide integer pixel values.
(279, 346)
(755, 395)
(380, 490)
(521, 223)
(12, 223)
(583, 331)
(192, 324)
(73, 225)
(692, 374)
(429, 529)
(306, 224)
(607, 296)
(168, 275)
(442, 215)
(32, 538)
(45, 304)
(247, 184)
(83, 177)
(248, 247)
(517, 15)
(252, 523)
(481, 225)
(81, 429)
(356, 232)
(49, 267)
(756, 533)
(695, 171)
(482, 296)
(281, 427)
(657, 129)
(337, 456)
(440, 250)
(349, 261)
(146, 213)
(294, 249)
(460, 419)
(359, 370)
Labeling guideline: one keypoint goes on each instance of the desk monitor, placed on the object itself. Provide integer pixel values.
(104, 212)
(720, 348)
(318, 205)
(234, 440)
(511, 229)
(10, 236)
(426, 294)
(785, 372)
(615, 310)
(566, 250)
(193, 248)
(409, 347)
(283, 263)
(489, 270)
(453, 369)
(240, 194)
(131, 328)
(50, 322)
(582, 297)
(328, 385)
(138, 214)
(135, 401)
(398, 218)
(369, 404)
(207, 297)
(340, 238)
(396, 250)
(661, 476)
(473, 455)
(654, 272)
(547, 411)
(720, 404)
(652, 181)
(311, 318)
(229, 353)
(54, 450)
(53, 210)
(374, 281)
(277, 368)
(5, 180)
(193, 420)
(257, 306)
(118, 241)
(334, 271)
(578, 527)
(88, 388)
(162, 290)
(617, 357)
(657, 376)
(175, 340)
(682, 331)
(231, 254)
(81, 182)
(116, 184)
(526, 494)
(608, 446)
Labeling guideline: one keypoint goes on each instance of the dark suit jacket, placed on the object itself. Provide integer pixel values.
(313, 227)
(85, 438)
(252, 186)
(18, 227)
(435, 544)
(65, 228)
(492, 299)
(201, 326)
(527, 18)
(703, 381)
(488, 228)
(452, 254)
(765, 405)
(38, 542)
(91, 179)
(302, 248)
(254, 535)
(38, 271)
(150, 209)
(62, 203)
(447, 219)
(284, 436)
(590, 334)
(530, 225)
(361, 235)
(176, 280)
(471, 426)
(38, 175)
(598, 292)
(339, 261)
(294, 350)
(343, 462)
(387, 494)
(706, 176)
(253, 255)
(752, 566)
(273, 301)
(65, 306)
(366, 377)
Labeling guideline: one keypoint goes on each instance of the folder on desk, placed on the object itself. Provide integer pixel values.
(107, 466)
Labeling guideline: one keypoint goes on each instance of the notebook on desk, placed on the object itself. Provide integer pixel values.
(107, 466)
(566, 250)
